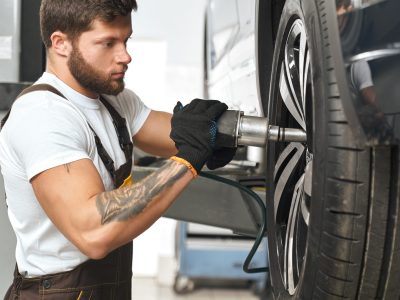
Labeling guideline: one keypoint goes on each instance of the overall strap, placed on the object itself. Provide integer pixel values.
(120, 125)
(41, 87)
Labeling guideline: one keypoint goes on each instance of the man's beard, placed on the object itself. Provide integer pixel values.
(91, 78)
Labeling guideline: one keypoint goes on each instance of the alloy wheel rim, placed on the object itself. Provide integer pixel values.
(293, 161)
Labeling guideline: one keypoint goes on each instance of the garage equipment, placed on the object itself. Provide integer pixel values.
(212, 253)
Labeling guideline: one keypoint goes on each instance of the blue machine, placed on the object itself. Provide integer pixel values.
(215, 255)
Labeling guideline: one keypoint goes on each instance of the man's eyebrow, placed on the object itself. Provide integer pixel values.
(105, 38)
(112, 37)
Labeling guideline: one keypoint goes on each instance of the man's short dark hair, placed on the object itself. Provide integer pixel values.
(73, 17)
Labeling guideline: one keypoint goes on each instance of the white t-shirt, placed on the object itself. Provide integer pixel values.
(360, 74)
(44, 131)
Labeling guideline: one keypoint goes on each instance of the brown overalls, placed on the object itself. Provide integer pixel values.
(105, 279)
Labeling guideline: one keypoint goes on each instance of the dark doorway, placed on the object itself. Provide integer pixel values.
(33, 53)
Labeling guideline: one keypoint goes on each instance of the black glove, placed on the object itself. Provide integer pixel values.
(194, 130)
(221, 157)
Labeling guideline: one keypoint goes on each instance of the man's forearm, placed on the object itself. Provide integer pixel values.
(125, 203)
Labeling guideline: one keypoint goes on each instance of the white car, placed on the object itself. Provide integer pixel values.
(330, 68)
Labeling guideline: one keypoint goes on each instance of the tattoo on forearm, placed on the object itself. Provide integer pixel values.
(124, 203)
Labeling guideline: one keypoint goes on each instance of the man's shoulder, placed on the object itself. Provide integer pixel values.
(45, 107)
(44, 89)
(41, 99)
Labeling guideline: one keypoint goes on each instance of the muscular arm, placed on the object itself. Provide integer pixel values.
(98, 221)
(125, 203)
(153, 137)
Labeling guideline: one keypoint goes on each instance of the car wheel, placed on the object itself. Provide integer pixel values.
(333, 208)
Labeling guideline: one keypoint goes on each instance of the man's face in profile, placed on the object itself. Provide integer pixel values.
(99, 59)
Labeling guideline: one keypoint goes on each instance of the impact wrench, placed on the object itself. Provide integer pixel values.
(236, 129)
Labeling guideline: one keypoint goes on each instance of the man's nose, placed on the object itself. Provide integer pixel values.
(123, 56)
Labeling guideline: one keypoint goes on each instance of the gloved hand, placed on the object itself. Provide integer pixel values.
(194, 130)
(221, 157)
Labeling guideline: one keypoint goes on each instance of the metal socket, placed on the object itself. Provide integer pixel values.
(253, 131)
(236, 129)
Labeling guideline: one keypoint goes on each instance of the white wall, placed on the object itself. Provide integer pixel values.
(9, 72)
(8, 241)
(180, 24)
(9, 40)
(167, 66)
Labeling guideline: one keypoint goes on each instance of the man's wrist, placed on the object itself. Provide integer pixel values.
(185, 163)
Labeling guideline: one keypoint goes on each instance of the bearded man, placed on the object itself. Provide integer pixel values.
(66, 157)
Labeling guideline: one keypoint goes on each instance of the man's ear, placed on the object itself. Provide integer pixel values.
(60, 43)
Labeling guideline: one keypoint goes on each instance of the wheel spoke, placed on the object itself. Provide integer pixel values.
(288, 99)
(308, 178)
(291, 62)
(305, 211)
(286, 166)
(303, 56)
(290, 258)
(305, 79)
(292, 73)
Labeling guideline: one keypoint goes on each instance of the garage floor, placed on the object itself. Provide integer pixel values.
(147, 288)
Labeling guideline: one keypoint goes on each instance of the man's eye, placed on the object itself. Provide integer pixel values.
(108, 44)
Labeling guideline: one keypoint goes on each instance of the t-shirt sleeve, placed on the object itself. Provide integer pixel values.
(48, 133)
(362, 75)
(137, 111)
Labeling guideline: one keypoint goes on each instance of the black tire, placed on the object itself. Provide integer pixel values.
(333, 209)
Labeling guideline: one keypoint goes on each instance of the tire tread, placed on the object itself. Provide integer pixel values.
(363, 244)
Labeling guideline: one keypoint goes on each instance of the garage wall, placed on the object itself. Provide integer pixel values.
(9, 72)
(167, 66)
(8, 241)
(179, 24)
(9, 40)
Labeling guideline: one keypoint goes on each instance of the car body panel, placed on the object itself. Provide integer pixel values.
(243, 63)
(237, 67)
(222, 23)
